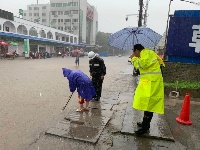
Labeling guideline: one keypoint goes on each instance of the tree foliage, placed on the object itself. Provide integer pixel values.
(102, 40)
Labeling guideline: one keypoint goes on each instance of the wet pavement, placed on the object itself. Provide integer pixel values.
(84, 126)
(159, 127)
(35, 91)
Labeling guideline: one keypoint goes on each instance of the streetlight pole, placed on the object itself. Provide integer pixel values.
(167, 23)
(166, 32)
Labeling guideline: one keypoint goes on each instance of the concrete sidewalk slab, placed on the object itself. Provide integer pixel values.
(159, 126)
(84, 126)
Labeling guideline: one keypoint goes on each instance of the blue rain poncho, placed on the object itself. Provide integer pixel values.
(80, 81)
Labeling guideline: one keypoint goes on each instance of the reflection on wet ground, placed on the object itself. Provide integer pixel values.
(84, 126)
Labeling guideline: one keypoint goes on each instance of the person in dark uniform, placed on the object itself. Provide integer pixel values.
(97, 71)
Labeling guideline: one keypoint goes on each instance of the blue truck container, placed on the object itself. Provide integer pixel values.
(103, 54)
(183, 43)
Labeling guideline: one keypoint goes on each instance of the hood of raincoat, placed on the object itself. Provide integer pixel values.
(80, 81)
(66, 72)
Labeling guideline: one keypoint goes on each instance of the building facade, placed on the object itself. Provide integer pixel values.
(38, 13)
(41, 36)
(73, 16)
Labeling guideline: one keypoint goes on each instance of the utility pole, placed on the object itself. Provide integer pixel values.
(145, 14)
(140, 13)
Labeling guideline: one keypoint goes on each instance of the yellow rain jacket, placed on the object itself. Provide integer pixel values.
(149, 94)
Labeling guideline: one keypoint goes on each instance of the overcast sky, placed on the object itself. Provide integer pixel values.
(112, 13)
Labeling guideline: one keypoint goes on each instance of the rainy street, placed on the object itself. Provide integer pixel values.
(34, 91)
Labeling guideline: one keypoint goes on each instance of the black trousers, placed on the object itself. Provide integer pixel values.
(97, 82)
(146, 120)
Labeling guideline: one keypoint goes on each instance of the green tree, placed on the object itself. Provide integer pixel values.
(102, 40)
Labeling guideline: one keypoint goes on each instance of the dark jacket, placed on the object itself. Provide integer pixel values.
(97, 66)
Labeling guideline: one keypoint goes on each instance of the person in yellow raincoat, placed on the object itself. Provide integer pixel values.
(149, 94)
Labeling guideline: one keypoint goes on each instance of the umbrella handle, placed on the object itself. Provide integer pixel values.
(67, 101)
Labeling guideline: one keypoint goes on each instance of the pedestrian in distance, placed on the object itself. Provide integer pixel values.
(80, 81)
(97, 72)
(77, 60)
(149, 94)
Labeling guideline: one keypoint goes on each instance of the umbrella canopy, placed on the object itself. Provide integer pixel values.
(3, 43)
(126, 38)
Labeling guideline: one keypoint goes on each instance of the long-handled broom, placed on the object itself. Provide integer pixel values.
(67, 102)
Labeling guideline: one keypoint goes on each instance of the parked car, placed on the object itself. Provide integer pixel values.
(119, 55)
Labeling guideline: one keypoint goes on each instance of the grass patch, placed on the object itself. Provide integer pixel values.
(183, 84)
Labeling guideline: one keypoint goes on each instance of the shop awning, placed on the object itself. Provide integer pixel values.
(37, 39)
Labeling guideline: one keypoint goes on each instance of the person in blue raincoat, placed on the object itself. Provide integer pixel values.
(80, 81)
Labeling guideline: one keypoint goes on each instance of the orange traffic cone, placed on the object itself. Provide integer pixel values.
(184, 117)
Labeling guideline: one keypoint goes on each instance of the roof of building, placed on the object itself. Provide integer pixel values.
(38, 39)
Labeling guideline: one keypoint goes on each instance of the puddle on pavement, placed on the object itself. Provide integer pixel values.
(83, 132)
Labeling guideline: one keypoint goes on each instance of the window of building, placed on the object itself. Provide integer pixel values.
(53, 4)
(67, 39)
(75, 20)
(75, 4)
(35, 20)
(58, 20)
(56, 37)
(54, 20)
(61, 20)
(67, 20)
(71, 39)
(0, 27)
(58, 28)
(61, 28)
(75, 28)
(24, 14)
(30, 8)
(63, 38)
(54, 12)
(44, 20)
(60, 12)
(58, 4)
(75, 11)
(36, 14)
(44, 7)
(36, 8)
(43, 14)
(69, 28)
(67, 12)
(30, 14)
(75, 39)
(70, 4)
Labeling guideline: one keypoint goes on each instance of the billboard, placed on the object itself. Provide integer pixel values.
(26, 48)
(184, 37)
